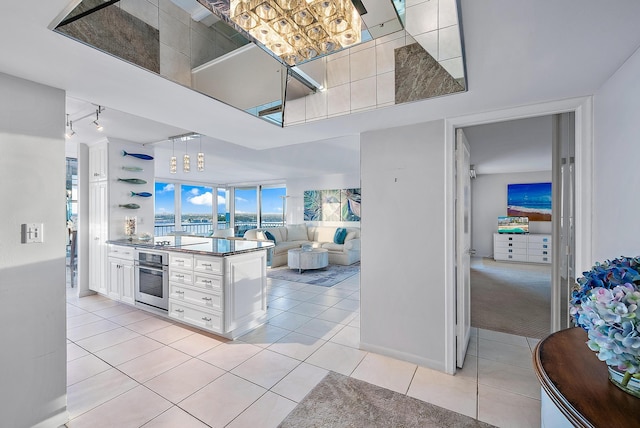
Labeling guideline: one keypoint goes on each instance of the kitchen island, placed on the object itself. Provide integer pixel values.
(218, 285)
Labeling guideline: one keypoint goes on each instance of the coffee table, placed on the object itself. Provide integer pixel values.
(316, 258)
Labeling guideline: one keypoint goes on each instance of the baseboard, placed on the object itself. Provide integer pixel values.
(404, 356)
(55, 421)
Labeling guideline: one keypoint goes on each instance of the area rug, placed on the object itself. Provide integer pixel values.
(511, 297)
(342, 402)
(326, 277)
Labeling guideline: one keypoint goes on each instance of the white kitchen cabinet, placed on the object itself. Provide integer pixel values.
(245, 290)
(527, 248)
(121, 278)
(98, 235)
(98, 162)
(224, 295)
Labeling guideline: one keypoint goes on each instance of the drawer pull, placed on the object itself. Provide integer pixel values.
(179, 276)
(207, 281)
(206, 264)
(179, 311)
(208, 299)
(179, 292)
(206, 319)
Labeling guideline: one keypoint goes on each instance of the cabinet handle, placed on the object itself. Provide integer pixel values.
(206, 264)
(206, 319)
(207, 281)
(179, 292)
(95, 174)
(180, 311)
(208, 299)
(179, 276)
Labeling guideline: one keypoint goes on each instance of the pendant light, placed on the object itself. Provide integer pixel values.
(200, 156)
(173, 164)
(186, 160)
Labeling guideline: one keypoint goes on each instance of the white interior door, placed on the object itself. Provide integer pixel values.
(463, 247)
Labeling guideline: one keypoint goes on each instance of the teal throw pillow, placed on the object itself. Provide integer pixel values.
(341, 233)
(270, 236)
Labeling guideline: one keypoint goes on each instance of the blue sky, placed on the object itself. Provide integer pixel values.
(198, 199)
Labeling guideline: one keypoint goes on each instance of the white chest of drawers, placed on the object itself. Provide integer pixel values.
(529, 248)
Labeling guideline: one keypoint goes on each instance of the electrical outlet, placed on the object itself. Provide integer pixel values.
(32, 233)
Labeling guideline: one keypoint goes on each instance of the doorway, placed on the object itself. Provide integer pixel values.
(582, 181)
(513, 170)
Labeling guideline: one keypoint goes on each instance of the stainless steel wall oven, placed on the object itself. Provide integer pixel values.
(152, 279)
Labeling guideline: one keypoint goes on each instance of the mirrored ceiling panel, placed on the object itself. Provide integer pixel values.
(274, 58)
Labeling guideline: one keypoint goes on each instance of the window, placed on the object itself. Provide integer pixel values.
(272, 206)
(196, 204)
(191, 208)
(165, 216)
(224, 216)
(246, 209)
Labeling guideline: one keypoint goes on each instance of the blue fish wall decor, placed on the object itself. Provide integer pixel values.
(133, 180)
(137, 155)
(143, 194)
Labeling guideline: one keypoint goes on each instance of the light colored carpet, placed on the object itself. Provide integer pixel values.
(326, 277)
(511, 297)
(344, 402)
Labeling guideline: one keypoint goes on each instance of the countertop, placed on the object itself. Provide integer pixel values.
(197, 245)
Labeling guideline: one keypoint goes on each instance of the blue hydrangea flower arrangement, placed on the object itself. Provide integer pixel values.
(605, 302)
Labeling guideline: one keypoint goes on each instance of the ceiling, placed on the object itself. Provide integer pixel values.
(518, 52)
(522, 145)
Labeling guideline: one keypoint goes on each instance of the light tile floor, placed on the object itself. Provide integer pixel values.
(129, 368)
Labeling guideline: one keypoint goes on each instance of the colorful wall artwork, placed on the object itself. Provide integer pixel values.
(531, 200)
(332, 205)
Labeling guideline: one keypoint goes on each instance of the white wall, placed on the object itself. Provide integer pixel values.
(120, 192)
(403, 240)
(489, 200)
(297, 187)
(616, 172)
(32, 276)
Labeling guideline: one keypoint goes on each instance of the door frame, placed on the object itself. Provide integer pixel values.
(583, 108)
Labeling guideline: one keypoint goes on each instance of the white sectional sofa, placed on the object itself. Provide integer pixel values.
(297, 235)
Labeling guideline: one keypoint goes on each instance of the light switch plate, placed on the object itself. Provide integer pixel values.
(32, 233)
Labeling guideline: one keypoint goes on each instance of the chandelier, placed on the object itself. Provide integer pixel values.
(299, 30)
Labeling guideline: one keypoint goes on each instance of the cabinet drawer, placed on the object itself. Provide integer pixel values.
(181, 261)
(540, 252)
(520, 251)
(517, 244)
(511, 238)
(180, 276)
(539, 246)
(540, 259)
(121, 252)
(541, 239)
(197, 297)
(209, 282)
(512, 257)
(208, 264)
(207, 319)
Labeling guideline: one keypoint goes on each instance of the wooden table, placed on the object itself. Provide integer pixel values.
(578, 383)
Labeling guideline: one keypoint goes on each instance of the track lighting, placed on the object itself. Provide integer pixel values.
(70, 132)
(99, 127)
(95, 122)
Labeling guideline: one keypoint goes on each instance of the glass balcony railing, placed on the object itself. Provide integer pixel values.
(206, 229)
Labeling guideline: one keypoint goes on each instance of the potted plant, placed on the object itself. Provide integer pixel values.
(605, 302)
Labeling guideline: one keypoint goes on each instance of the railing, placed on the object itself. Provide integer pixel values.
(206, 229)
